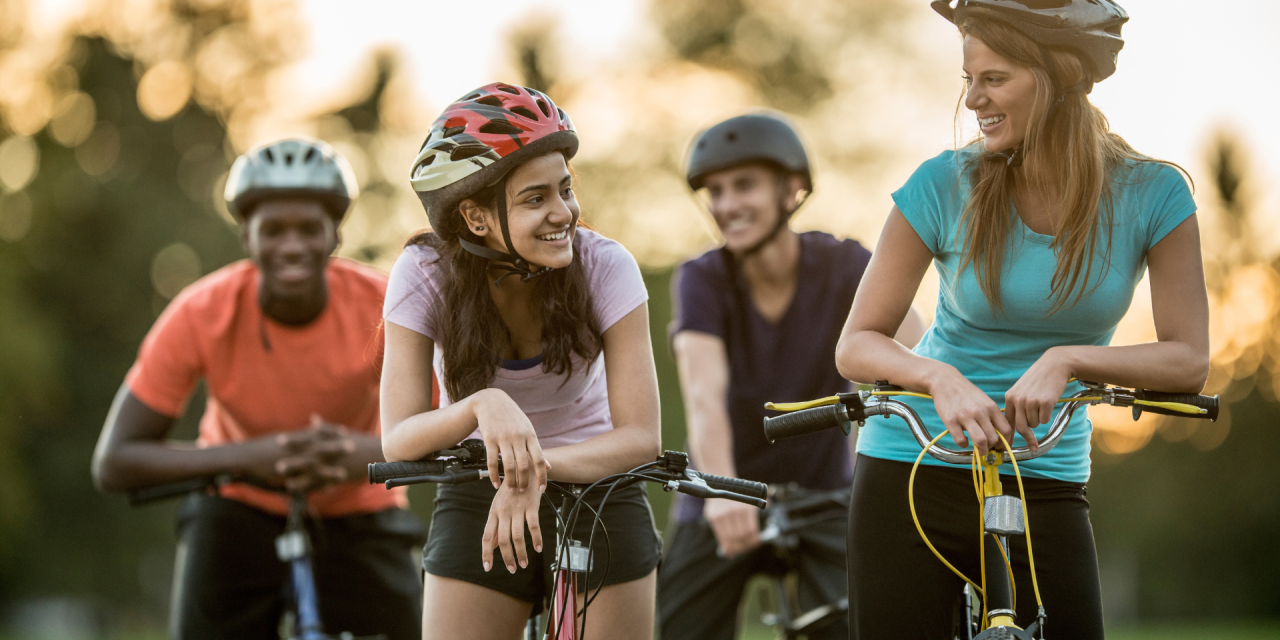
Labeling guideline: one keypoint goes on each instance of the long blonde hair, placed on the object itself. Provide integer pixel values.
(1068, 140)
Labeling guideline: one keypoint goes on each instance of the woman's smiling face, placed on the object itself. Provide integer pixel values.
(1001, 94)
(542, 213)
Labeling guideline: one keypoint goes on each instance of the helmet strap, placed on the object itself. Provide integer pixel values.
(510, 262)
(784, 217)
(1012, 157)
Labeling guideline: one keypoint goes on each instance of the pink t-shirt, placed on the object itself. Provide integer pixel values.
(563, 412)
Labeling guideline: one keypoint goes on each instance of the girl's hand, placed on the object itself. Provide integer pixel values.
(508, 514)
(508, 434)
(966, 410)
(1031, 401)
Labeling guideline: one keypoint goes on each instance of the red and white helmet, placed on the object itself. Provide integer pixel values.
(480, 138)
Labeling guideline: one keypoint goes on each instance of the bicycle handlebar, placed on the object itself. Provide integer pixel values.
(670, 469)
(847, 408)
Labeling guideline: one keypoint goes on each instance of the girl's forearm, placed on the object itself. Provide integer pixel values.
(1170, 366)
(622, 449)
(423, 433)
(868, 356)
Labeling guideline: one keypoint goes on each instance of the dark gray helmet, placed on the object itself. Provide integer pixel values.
(291, 168)
(1091, 28)
(766, 136)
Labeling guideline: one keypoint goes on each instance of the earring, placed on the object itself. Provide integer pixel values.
(480, 227)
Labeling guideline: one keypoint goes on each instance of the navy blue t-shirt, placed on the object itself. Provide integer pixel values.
(790, 361)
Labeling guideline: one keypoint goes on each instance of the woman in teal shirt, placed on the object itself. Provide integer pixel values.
(1040, 230)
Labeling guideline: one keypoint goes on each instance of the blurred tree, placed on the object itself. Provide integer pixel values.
(120, 209)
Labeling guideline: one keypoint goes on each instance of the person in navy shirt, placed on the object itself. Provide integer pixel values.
(756, 319)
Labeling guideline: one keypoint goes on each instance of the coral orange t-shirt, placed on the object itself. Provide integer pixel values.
(264, 377)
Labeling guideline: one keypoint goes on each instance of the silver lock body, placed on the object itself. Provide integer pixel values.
(1002, 515)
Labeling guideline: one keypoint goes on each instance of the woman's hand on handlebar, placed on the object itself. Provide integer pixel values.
(509, 512)
(508, 434)
(1031, 401)
(967, 412)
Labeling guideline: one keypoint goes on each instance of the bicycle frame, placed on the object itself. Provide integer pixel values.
(779, 531)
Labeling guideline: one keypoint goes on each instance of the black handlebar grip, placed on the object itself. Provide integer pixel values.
(799, 423)
(380, 472)
(736, 485)
(1208, 403)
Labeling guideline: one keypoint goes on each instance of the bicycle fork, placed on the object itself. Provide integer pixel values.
(1001, 517)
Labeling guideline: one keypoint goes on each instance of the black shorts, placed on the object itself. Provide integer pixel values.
(228, 582)
(898, 589)
(632, 550)
(699, 591)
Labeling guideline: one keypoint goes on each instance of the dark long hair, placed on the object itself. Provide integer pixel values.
(475, 338)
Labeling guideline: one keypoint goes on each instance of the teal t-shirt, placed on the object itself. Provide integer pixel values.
(992, 350)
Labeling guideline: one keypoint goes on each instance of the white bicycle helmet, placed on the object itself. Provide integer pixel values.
(291, 168)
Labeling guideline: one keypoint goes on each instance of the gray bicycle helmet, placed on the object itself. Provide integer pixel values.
(1090, 28)
(766, 136)
(291, 168)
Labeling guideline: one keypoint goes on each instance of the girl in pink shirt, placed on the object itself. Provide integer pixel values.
(537, 330)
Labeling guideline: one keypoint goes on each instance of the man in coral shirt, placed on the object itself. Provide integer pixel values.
(288, 345)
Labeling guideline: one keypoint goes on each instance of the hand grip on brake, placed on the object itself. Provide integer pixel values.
(807, 421)
(700, 490)
(736, 485)
(1208, 403)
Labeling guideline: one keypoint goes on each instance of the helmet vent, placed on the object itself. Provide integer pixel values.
(270, 156)
(491, 101)
(464, 151)
(542, 106)
(450, 132)
(311, 154)
(560, 112)
(472, 96)
(732, 136)
(501, 127)
(509, 89)
(524, 111)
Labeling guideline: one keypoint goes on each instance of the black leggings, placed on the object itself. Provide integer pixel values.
(898, 589)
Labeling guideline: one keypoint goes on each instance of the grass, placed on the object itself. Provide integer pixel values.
(1228, 630)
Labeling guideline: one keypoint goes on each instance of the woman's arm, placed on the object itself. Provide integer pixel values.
(411, 429)
(867, 352)
(134, 451)
(636, 437)
(1178, 362)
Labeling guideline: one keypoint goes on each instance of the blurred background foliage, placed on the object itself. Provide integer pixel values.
(116, 134)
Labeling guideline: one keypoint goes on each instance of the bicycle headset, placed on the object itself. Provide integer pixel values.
(765, 137)
(1088, 28)
(291, 168)
(476, 143)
